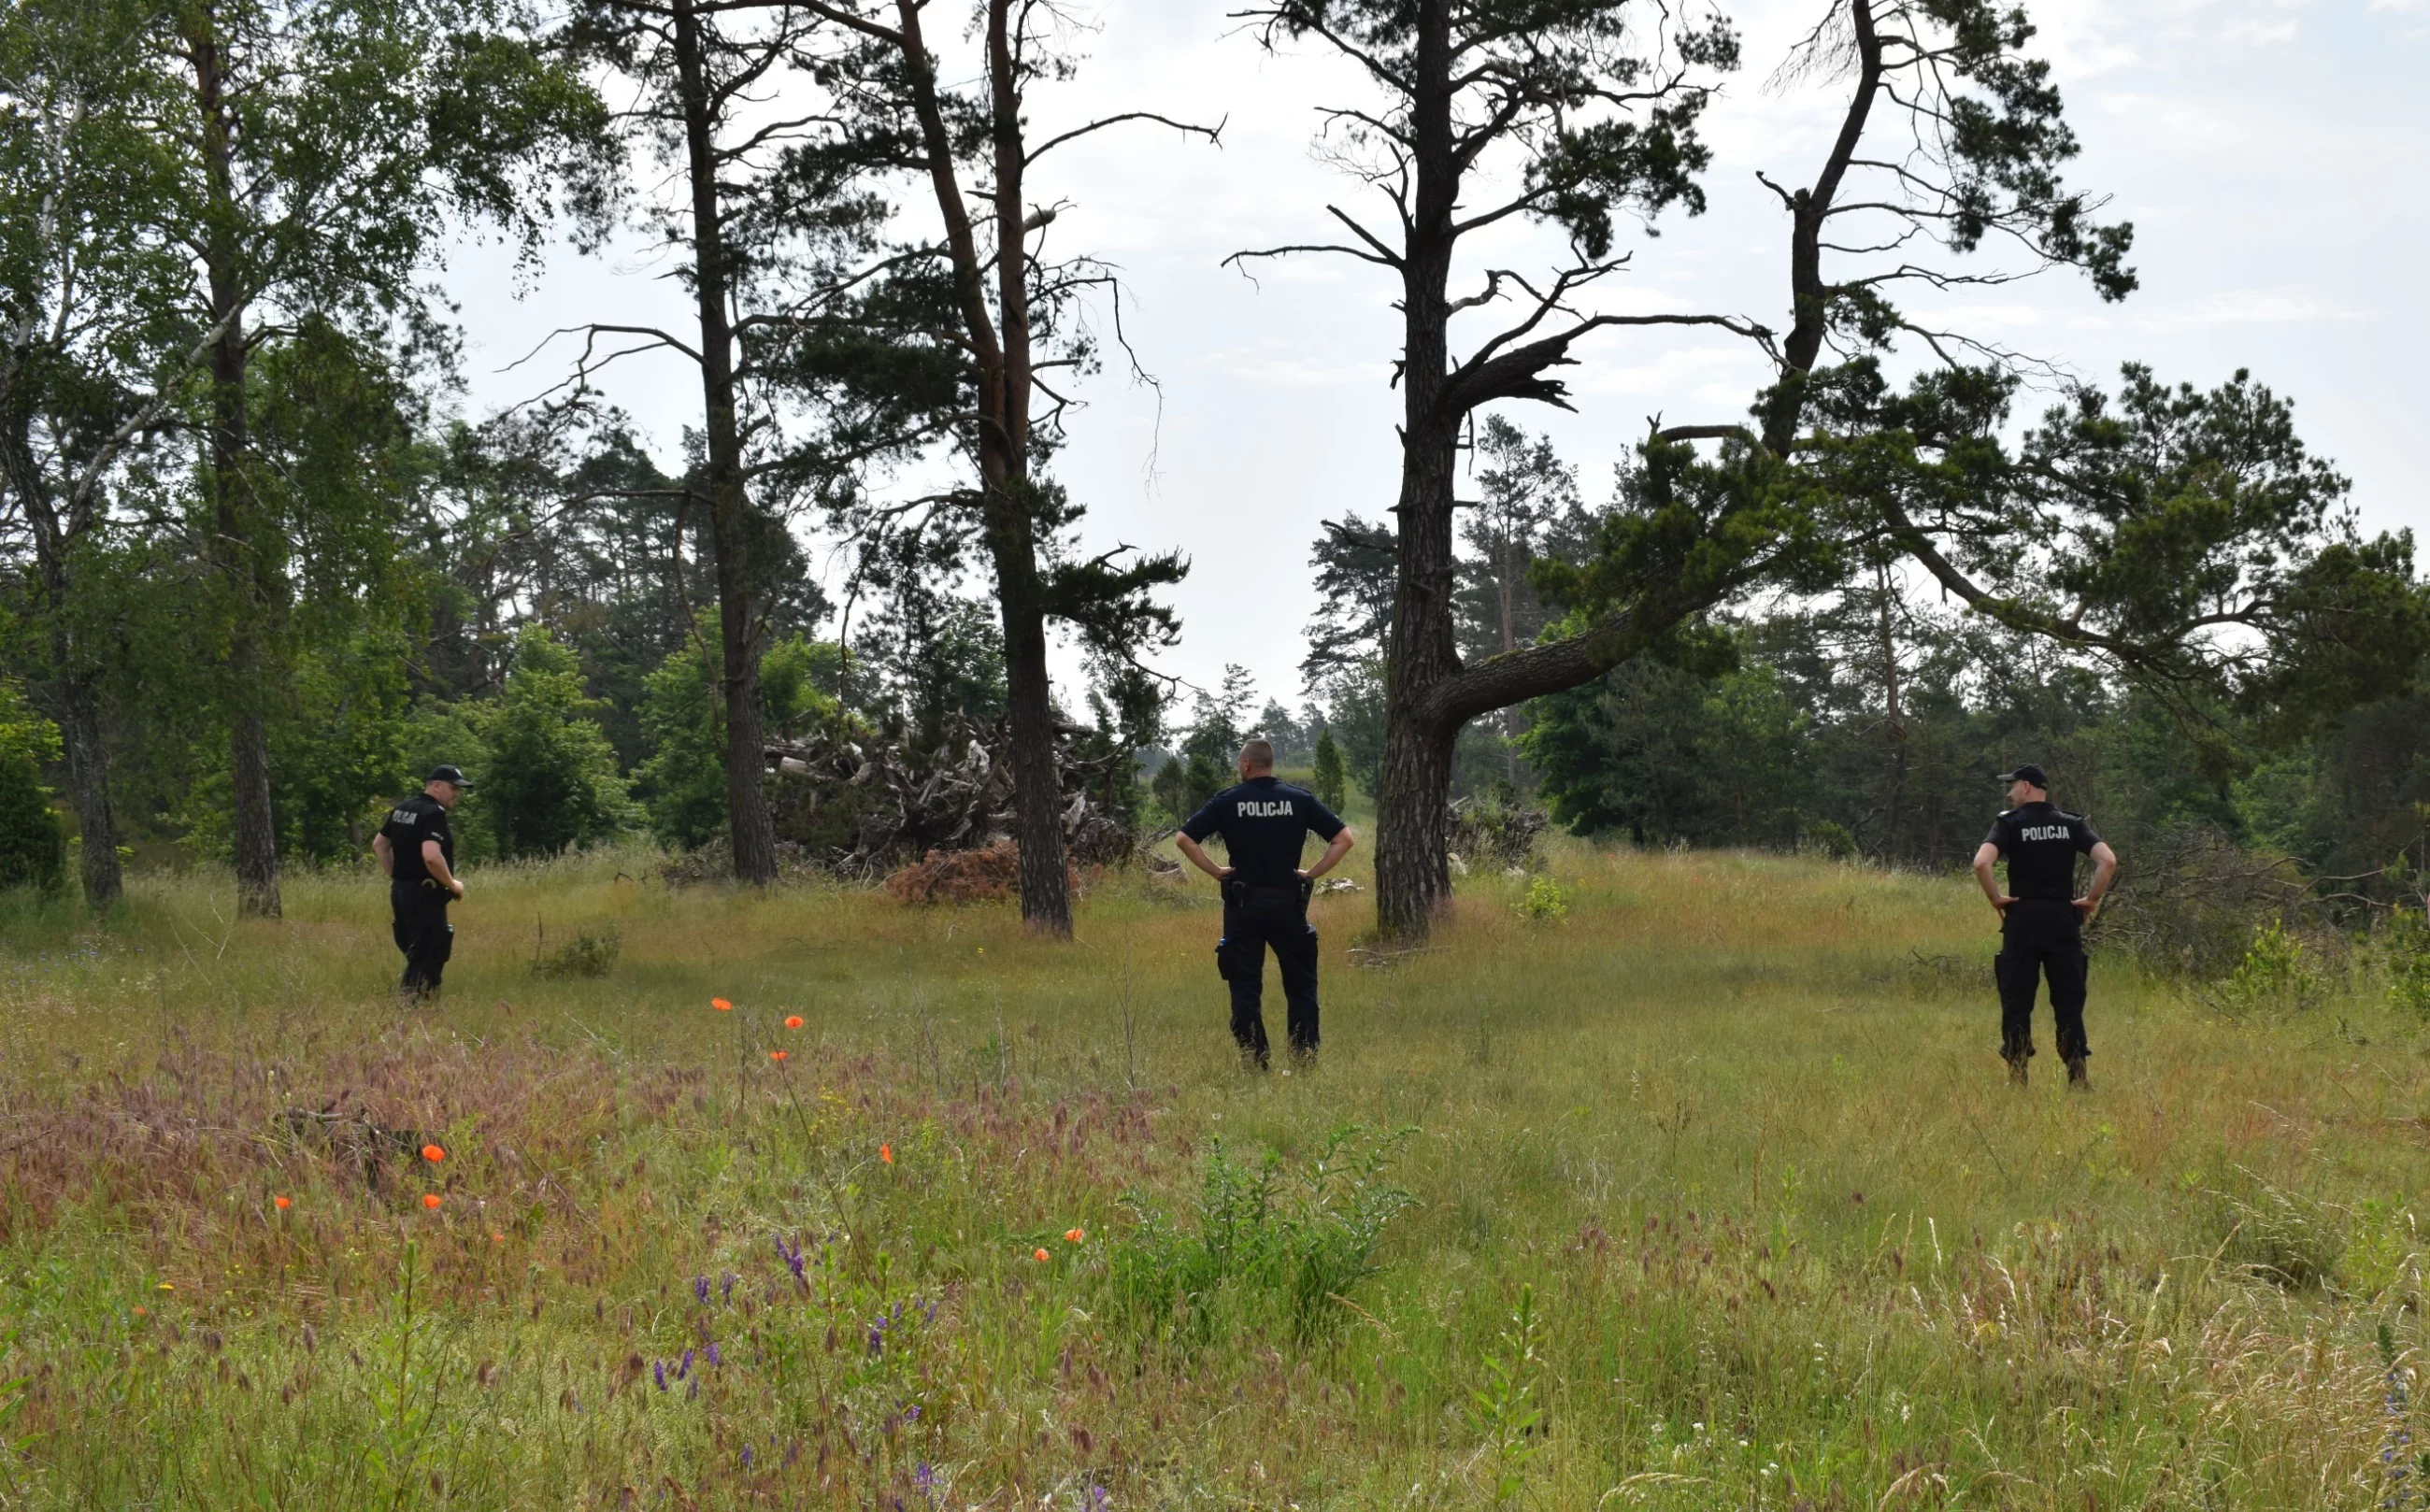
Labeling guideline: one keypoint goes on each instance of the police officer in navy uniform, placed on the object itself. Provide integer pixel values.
(1264, 823)
(417, 850)
(2041, 917)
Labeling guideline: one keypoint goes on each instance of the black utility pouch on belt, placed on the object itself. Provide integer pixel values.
(1278, 900)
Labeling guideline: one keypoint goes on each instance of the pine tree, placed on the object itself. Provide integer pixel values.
(1330, 778)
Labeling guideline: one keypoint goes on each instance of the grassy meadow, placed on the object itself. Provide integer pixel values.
(1708, 1193)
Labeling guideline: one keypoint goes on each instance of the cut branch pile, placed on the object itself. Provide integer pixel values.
(866, 807)
(1488, 832)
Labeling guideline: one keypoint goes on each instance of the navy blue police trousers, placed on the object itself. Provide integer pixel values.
(2041, 938)
(1253, 918)
(418, 910)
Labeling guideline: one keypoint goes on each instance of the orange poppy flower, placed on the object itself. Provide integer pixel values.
(886, 1153)
(430, 1199)
(1073, 1236)
(432, 1153)
(775, 1055)
(720, 1005)
(1042, 1253)
(792, 1020)
(281, 1203)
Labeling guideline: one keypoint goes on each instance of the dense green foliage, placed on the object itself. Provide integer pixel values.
(33, 848)
(549, 775)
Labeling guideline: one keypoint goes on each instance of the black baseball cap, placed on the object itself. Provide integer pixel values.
(2028, 773)
(454, 776)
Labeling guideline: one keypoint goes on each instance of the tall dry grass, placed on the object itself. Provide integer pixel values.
(1734, 1125)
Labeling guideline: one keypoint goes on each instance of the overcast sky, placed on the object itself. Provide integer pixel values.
(2274, 155)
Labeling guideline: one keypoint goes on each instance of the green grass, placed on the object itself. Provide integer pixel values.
(1731, 1133)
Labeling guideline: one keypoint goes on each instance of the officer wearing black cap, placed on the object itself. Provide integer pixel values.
(417, 850)
(1264, 823)
(2041, 919)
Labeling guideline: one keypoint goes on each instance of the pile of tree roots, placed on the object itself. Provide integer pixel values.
(865, 808)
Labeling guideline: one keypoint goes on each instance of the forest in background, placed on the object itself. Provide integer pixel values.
(264, 573)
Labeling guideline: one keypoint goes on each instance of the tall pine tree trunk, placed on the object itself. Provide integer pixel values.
(1413, 808)
(999, 344)
(1012, 505)
(747, 798)
(1893, 718)
(235, 547)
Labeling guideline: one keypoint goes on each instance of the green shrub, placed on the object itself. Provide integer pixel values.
(2408, 962)
(1545, 901)
(33, 848)
(551, 781)
(2276, 975)
(1829, 839)
(585, 955)
(1331, 778)
(1271, 1245)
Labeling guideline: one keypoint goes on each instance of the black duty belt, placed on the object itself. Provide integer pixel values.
(1244, 895)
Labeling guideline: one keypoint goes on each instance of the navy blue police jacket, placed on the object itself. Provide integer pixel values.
(2041, 842)
(1264, 822)
(417, 819)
